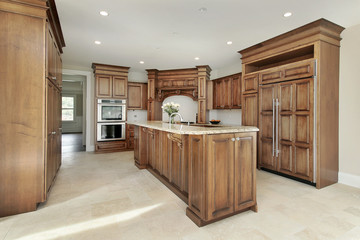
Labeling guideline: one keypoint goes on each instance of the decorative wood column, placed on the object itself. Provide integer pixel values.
(154, 107)
(203, 76)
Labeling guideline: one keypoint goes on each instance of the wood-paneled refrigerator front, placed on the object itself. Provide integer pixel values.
(23, 120)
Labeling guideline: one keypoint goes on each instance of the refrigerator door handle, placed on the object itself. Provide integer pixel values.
(273, 127)
(277, 127)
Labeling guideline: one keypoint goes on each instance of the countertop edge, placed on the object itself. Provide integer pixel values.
(193, 130)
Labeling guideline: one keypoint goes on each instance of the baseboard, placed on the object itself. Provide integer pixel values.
(90, 148)
(349, 179)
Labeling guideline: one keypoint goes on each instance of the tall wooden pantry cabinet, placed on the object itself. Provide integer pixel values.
(30, 93)
(290, 90)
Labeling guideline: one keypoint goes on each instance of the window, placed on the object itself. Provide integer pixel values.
(68, 104)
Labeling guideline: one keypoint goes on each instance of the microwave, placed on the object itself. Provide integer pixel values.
(111, 131)
(111, 110)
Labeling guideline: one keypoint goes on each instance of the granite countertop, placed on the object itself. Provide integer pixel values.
(199, 129)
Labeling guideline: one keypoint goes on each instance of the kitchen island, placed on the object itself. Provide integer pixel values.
(210, 167)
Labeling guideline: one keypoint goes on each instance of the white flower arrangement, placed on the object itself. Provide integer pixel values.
(170, 108)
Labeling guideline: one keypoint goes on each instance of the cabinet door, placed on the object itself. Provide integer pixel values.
(219, 100)
(57, 128)
(135, 93)
(245, 167)
(119, 88)
(220, 175)
(175, 160)
(104, 86)
(296, 124)
(250, 110)
(226, 92)
(58, 69)
(236, 91)
(267, 122)
(51, 56)
(136, 144)
(165, 151)
(250, 83)
(150, 148)
(49, 127)
(197, 175)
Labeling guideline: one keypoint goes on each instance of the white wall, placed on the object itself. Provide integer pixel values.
(349, 110)
(227, 117)
(188, 108)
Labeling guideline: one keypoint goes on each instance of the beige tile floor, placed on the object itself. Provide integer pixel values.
(104, 196)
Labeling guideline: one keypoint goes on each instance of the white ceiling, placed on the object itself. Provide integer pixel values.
(169, 34)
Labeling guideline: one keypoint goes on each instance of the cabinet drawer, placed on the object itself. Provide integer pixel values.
(250, 83)
(111, 146)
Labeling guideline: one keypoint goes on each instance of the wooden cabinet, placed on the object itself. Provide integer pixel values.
(137, 96)
(178, 161)
(140, 147)
(214, 174)
(227, 92)
(300, 70)
(130, 136)
(236, 91)
(110, 81)
(54, 62)
(286, 117)
(220, 175)
(111, 87)
(53, 126)
(250, 110)
(221, 182)
(30, 142)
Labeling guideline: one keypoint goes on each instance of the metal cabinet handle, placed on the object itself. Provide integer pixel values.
(53, 133)
(273, 127)
(277, 127)
(53, 78)
(233, 139)
(237, 139)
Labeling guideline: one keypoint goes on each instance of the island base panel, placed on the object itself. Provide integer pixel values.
(200, 222)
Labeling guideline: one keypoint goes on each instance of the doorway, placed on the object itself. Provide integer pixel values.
(73, 117)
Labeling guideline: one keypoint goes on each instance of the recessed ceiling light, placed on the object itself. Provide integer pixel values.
(229, 42)
(287, 14)
(97, 42)
(141, 62)
(104, 13)
(196, 58)
(202, 10)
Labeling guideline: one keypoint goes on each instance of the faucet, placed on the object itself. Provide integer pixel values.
(181, 118)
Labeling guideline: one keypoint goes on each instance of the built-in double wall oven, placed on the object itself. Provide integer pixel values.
(111, 117)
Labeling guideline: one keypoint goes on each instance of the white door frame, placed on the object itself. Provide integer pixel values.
(88, 105)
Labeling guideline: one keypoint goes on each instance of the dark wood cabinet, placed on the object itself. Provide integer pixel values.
(227, 92)
(137, 96)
